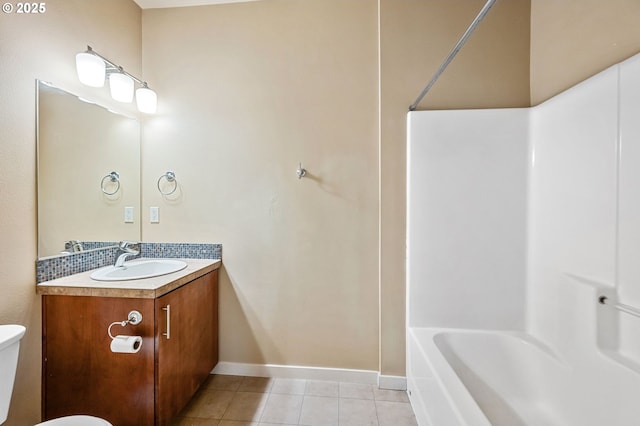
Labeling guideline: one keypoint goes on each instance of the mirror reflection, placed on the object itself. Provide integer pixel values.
(88, 173)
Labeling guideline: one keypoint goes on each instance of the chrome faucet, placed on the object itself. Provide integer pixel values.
(129, 248)
(73, 246)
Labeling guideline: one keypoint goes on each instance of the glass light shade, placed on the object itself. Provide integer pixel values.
(147, 100)
(121, 87)
(91, 69)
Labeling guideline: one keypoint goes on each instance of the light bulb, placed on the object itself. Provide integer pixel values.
(147, 100)
(91, 69)
(121, 87)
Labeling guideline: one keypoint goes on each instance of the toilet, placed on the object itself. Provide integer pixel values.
(10, 336)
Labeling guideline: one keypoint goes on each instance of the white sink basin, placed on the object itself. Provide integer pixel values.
(138, 269)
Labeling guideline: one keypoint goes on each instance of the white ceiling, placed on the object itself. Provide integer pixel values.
(154, 4)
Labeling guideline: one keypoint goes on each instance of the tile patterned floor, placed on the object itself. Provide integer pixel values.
(259, 401)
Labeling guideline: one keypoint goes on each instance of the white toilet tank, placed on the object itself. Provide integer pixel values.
(10, 336)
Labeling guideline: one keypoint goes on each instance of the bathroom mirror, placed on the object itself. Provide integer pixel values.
(88, 172)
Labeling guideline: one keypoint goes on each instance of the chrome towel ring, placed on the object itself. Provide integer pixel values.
(171, 178)
(113, 177)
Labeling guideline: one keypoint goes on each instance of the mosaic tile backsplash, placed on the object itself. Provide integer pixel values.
(61, 266)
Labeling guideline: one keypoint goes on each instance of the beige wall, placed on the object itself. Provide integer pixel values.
(572, 40)
(491, 71)
(247, 92)
(42, 46)
(260, 91)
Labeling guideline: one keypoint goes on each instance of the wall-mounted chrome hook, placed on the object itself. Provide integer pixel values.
(301, 172)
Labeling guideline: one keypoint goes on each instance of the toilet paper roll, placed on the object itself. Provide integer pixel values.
(126, 344)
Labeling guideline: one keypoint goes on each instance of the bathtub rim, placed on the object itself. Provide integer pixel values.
(460, 400)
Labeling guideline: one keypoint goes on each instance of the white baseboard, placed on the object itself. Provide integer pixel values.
(368, 377)
(392, 382)
(297, 372)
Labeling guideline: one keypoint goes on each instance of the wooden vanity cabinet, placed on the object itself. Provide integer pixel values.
(186, 345)
(81, 375)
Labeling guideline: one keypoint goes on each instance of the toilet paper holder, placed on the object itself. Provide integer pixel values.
(134, 318)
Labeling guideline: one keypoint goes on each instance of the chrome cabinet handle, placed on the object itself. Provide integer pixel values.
(168, 333)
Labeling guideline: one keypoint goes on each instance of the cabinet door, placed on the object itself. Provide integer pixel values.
(80, 374)
(186, 343)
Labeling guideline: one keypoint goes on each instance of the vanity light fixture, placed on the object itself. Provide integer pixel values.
(121, 86)
(146, 99)
(92, 69)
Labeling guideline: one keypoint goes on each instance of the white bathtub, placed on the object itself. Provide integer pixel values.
(483, 378)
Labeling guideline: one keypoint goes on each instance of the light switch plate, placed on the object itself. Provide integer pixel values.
(154, 214)
(128, 215)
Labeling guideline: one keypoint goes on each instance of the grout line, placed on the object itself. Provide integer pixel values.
(265, 406)
(301, 407)
(375, 407)
(228, 405)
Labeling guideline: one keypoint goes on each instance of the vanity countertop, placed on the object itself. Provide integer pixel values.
(146, 288)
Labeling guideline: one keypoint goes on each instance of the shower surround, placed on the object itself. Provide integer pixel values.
(519, 220)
